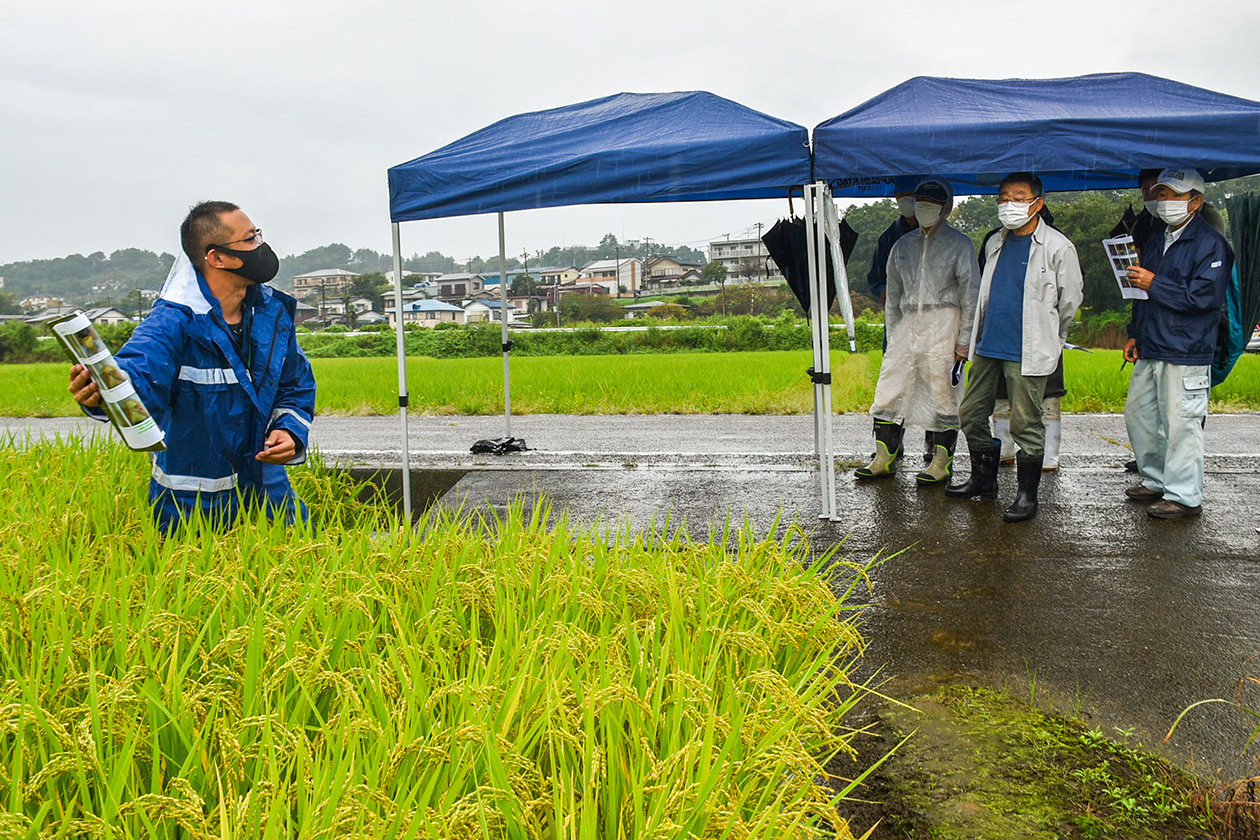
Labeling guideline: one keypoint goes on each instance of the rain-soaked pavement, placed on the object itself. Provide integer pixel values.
(1109, 614)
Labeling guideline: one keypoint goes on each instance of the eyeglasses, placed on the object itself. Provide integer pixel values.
(256, 238)
(1027, 200)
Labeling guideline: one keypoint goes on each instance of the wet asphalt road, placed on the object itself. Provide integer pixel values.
(1117, 617)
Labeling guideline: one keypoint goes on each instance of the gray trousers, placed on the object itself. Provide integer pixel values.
(1026, 392)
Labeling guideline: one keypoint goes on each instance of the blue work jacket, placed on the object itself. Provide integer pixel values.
(217, 405)
(1179, 320)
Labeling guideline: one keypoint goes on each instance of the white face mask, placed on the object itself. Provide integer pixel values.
(905, 205)
(1172, 211)
(1152, 207)
(1014, 214)
(927, 214)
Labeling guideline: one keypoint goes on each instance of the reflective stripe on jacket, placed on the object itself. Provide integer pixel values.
(215, 407)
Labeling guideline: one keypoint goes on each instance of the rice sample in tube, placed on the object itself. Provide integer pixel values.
(120, 402)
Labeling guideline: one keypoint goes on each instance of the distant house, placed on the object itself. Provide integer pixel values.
(459, 286)
(107, 315)
(481, 310)
(428, 313)
(528, 303)
(327, 281)
(34, 303)
(415, 276)
(370, 317)
(639, 310)
(745, 260)
(554, 275)
(614, 275)
(670, 273)
(305, 313)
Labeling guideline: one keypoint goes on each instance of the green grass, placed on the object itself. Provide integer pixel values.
(985, 764)
(503, 678)
(684, 383)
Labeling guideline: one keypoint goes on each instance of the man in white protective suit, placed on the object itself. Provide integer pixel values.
(933, 282)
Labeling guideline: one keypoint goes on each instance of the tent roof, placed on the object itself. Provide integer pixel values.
(629, 147)
(1088, 132)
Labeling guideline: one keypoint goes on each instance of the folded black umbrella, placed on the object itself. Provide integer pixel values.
(787, 246)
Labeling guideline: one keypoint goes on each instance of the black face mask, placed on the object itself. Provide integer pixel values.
(258, 265)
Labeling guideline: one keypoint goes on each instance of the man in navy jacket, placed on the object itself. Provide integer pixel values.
(1172, 340)
(219, 368)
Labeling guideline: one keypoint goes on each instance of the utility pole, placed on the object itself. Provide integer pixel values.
(647, 255)
(617, 273)
(761, 254)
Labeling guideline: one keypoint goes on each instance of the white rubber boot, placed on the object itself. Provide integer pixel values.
(1051, 409)
(1002, 431)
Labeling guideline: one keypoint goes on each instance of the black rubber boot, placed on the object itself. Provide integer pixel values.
(887, 448)
(983, 483)
(1028, 471)
(940, 467)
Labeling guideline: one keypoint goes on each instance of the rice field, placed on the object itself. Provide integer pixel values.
(772, 382)
(474, 678)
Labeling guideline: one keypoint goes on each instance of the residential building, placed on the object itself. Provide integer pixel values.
(481, 310)
(640, 310)
(459, 286)
(107, 315)
(746, 260)
(415, 276)
(615, 275)
(428, 313)
(328, 282)
(333, 311)
(306, 314)
(34, 303)
(552, 275)
(669, 273)
(97, 315)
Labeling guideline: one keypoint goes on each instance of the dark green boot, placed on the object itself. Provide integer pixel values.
(941, 467)
(887, 448)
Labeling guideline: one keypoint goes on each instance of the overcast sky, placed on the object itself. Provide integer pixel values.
(118, 116)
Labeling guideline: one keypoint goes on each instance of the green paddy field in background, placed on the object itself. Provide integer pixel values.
(771, 382)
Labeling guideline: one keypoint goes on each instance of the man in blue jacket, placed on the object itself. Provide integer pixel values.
(1172, 340)
(218, 366)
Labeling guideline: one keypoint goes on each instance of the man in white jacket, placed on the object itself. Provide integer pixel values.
(1029, 293)
(933, 279)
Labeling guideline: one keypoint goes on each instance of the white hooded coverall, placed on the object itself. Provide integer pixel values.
(933, 282)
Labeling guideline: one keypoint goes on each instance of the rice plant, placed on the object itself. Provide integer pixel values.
(770, 382)
(474, 677)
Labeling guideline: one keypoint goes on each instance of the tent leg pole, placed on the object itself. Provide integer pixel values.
(507, 345)
(824, 334)
(816, 312)
(823, 194)
(402, 375)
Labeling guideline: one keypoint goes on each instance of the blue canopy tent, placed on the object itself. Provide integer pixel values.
(625, 148)
(1082, 133)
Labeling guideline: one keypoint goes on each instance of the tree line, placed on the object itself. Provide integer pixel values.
(1085, 217)
(113, 279)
